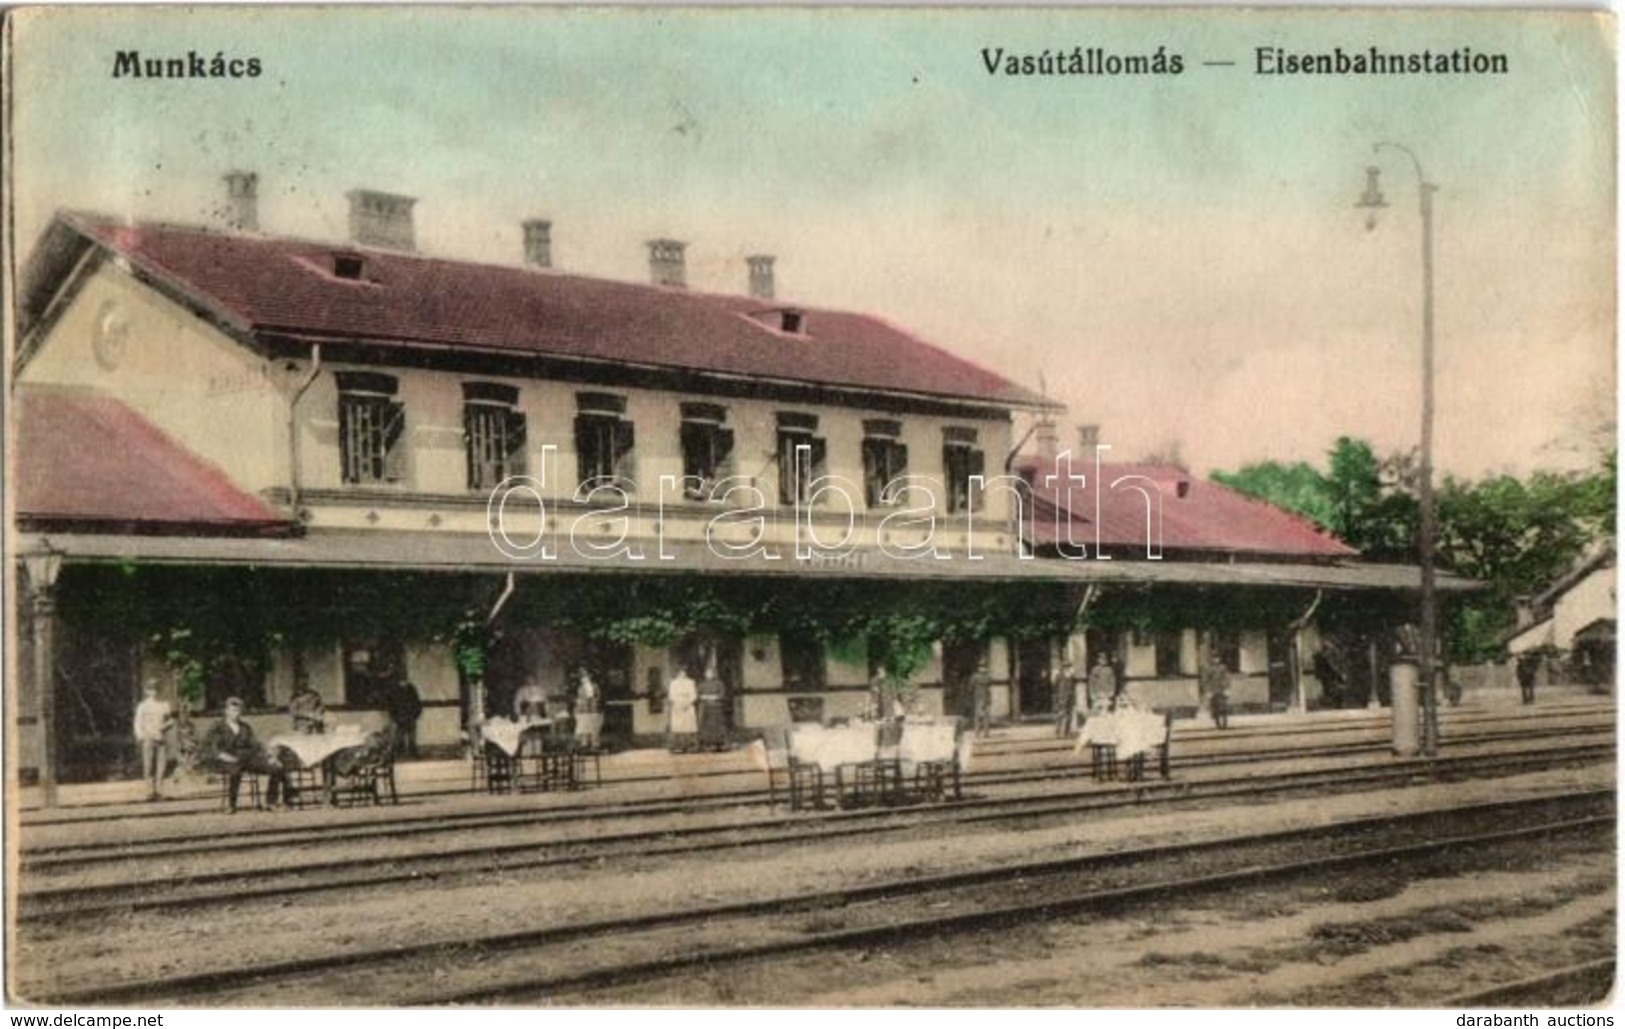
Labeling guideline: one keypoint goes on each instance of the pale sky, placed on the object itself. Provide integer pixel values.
(1178, 257)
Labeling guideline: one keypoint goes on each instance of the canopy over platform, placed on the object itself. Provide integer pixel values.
(384, 550)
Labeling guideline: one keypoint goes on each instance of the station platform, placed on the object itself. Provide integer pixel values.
(649, 774)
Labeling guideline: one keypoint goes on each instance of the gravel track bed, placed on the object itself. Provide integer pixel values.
(156, 944)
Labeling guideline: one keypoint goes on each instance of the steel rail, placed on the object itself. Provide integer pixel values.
(369, 871)
(202, 984)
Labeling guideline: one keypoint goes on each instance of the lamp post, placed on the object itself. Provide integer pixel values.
(1371, 202)
(43, 565)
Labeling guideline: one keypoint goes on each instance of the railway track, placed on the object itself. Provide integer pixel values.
(127, 882)
(1586, 983)
(548, 963)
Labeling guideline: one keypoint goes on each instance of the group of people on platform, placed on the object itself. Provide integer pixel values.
(231, 748)
(1076, 697)
(580, 717)
(696, 712)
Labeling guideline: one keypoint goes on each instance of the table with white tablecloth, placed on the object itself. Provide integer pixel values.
(310, 774)
(508, 735)
(313, 748)
(529, 756)
(1113, 736)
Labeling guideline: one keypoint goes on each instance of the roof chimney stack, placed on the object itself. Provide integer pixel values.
(666, 263)
(761, 276)
(539, 243)
(242, 201)
(381, 219)
(1088, 438)
(1047, 438)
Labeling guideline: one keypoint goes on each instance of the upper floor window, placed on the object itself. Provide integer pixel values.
(798, 467)
(885, 457)
(603, 439)
(493, 432)
(707, 446)
(372, 428)
(961, 459)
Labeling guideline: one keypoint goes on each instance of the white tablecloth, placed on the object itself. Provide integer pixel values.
(927, 742)
(830, 748)
(1131, 732)
(312, 748)
(508, 734)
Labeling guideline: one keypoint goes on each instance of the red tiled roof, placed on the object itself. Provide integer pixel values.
(1208, 517)
(267, 284)
(83, 457)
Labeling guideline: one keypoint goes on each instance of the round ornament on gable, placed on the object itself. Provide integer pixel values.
(112, 334)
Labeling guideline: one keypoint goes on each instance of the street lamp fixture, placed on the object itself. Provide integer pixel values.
(1371, 202)
(43, 565)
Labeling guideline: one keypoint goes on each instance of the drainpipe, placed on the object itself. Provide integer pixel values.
(293, 426)
(476, 700)
(1090, 594)
(496, 609)
(1013, 525)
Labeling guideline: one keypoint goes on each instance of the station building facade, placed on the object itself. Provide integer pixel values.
(245, 461)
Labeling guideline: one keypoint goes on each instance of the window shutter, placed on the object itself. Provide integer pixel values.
(471, 447)
(692, 437)
(624, 438)
(873, 470)
(517, 458)
(819, 453)
(901, 467)
(349, 453)
(787, 468)
(724, 439)
(587, 456)
(394, 455)
(973, 466)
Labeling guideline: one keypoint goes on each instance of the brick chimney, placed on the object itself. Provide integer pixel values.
(539, 243)
(242, 201)
(761, 276)
(666, 263)
(381, 219)
(1088, 438)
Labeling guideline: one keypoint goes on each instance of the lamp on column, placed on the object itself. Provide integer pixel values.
(43, 564)
(1372, 202)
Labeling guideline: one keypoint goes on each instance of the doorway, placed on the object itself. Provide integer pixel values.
(1034, 687)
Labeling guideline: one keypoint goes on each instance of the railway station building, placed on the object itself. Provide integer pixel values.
(243, 462)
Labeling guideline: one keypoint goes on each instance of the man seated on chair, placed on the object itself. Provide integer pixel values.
(375, 755)
(232, 750)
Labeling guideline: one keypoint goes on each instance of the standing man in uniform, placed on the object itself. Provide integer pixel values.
(405, 708)
(1063, 698)
(1528, 672)
(1215, 685)
(1102, 682)
(982, 693)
